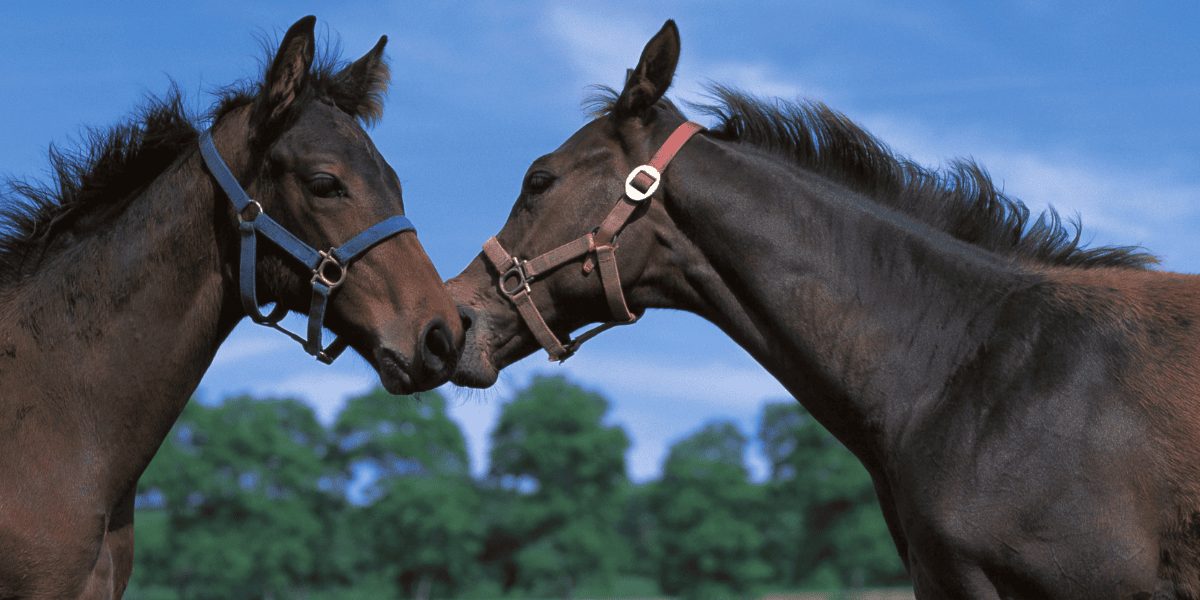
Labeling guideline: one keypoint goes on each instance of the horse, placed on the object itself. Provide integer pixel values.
(119, 282)
(1025, 405)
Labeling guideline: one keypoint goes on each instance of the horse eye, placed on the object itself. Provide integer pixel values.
(324, 185)
(538, 182)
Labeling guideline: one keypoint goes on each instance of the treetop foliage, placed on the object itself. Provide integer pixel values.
(255, 498)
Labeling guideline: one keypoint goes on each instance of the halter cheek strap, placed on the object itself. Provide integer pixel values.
(328, 266)
(516, 275)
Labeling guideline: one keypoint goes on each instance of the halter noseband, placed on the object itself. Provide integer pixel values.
(328, 266)
(517, 274)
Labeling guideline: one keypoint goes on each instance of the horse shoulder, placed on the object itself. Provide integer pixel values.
(1042, 435)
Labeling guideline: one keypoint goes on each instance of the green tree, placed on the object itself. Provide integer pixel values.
(556, 474)
(824, 527)
(640, 530)
(406, 462)
(704, 507)
(243, 486)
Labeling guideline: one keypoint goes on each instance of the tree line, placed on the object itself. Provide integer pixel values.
(255, 498)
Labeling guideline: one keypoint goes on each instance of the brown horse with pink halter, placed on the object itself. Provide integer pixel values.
(1028, 408)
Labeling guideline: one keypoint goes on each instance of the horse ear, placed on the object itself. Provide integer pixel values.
(287, 75)
(359, 88)
(649, 80)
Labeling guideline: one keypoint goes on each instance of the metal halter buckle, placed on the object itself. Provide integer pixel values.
(637, 195)
(320, 274)
(515, 274)
(250, 212)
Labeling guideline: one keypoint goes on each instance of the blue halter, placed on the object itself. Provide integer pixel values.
(328, 266)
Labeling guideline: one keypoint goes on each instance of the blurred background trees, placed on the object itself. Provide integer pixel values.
(704, 509)
(254, 498)
(817, 491)
(555, 475)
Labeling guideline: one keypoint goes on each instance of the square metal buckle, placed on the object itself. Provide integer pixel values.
(637, 195)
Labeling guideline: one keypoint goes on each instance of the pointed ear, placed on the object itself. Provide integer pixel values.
(359, 88)
(646, 83)
(287, 75)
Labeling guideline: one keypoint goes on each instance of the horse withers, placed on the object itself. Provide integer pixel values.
(1027, 407)
(120, 282)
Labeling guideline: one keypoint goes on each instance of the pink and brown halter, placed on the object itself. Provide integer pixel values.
(516, 274)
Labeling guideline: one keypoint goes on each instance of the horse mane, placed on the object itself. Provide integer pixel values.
(961, 199)
(91, 184)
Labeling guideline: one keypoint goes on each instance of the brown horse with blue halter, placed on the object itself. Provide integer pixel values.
(1028, 408)
(329, 267)
(121, 279)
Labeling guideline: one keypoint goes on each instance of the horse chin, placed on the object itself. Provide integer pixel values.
(475, 367)
(475, 372)
(469, 375)
(393, 372)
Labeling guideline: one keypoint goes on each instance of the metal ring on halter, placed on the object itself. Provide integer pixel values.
(637, 195)
(328, 259)
(253, 204)
(517, 273)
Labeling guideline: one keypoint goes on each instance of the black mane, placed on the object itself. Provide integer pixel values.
(961, 200)
(109, 168)
(94, 182)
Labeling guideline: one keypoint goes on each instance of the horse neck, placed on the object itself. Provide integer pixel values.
(112, 334)
(861, 312)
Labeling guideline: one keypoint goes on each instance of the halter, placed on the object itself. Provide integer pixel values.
(328, 266)
(517, 274)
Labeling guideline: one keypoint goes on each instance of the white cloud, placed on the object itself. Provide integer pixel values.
(759, 79)
(326, 391)
(601, 46)
(244, 344)
(712, 384)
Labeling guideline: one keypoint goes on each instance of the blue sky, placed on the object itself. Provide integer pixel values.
(1091, 107)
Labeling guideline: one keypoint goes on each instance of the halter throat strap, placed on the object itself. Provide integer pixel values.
(598, 249)
(328, 267)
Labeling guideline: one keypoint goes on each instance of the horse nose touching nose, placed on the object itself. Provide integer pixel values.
(438, 354)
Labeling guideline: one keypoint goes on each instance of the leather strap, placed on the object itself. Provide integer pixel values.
(610, 278)
(516, 275)
(361, 243)
(559, 256)
(675, 142)
(514, 283)
(619, 215)
(328, 267)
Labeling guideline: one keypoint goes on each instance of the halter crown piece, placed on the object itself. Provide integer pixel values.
(328, 267)
(516, 274)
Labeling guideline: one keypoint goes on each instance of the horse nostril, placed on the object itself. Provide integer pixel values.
(437, 352)
(437, 340)
(467, 314)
